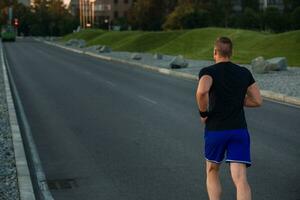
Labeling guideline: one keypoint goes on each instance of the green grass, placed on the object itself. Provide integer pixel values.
(85, 35)
(198, 43)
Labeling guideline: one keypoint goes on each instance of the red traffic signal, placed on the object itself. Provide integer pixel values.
(16, 22)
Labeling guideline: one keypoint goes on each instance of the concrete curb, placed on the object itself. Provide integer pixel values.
(265, 93)
(24, 180)
(280, 97)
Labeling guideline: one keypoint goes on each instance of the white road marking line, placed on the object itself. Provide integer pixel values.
(103, 81)
(147, 99)
(110, 83)
(99, 79)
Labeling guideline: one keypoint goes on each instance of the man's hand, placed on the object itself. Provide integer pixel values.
(203, 120)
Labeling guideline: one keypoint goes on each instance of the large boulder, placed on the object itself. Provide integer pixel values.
(136, 56)
(81, 43)
(105, 49)
(94, 48)
(76, 43)
(158, 56)
(259, 65)
(179, 62)
(277, 64)
(72, 42)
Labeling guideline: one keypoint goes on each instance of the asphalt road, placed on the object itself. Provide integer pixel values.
(117, 132)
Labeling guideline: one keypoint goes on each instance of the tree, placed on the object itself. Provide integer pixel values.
(290, 5)
(227, 9)
(296, 18)
(273, 20)
(4, 5)
(147, 14)
(24, 15)
(122, 22)
(186, 16)
(62, 21)
(220, 11)
(253, 4)
(170, 5)
(250, 19)
(46, 17)
(51, 18)
(41, 21)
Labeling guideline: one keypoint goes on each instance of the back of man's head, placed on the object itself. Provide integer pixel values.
(223, 46)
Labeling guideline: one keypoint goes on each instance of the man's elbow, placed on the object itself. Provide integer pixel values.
(201, 93)
(259, 102)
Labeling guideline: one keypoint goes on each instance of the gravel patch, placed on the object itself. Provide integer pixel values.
(8, 173)
(284, 82)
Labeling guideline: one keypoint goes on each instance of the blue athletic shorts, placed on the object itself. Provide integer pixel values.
(235, 143)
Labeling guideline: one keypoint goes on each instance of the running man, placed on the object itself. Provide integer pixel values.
(223, 91)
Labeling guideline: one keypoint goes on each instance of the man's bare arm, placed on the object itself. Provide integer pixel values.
(253, 97)
(202, 95)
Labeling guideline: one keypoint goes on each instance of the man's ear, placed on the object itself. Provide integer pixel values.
(215, 53)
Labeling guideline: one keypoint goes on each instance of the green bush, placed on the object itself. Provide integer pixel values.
(295, 18)
(250, 19)
(274, 20)
(186, 16)
(122, 22)
(147, 14)
(197, 19)
(174, 19)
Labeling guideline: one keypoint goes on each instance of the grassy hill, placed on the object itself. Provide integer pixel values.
(198, 43)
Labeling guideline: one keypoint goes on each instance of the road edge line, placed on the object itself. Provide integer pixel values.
(280, 98)
(25, 186)
(39, 186)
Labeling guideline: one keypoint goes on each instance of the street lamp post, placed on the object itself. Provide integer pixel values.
(106, 21)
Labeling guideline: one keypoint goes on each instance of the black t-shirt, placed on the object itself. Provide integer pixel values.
(226, 95)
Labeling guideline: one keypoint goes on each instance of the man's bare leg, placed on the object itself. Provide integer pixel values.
(239, 177)
(213, 181)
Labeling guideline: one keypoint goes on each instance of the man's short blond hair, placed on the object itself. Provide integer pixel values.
(223, 46)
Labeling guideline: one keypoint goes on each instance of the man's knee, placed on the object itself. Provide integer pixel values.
(212, 167)
(238, 173)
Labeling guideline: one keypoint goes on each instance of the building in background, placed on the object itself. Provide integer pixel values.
(263, 4)
(74, 7)
(104, 13)
(25, 2)
(100, 13)
(111, 10)
(274, 3)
